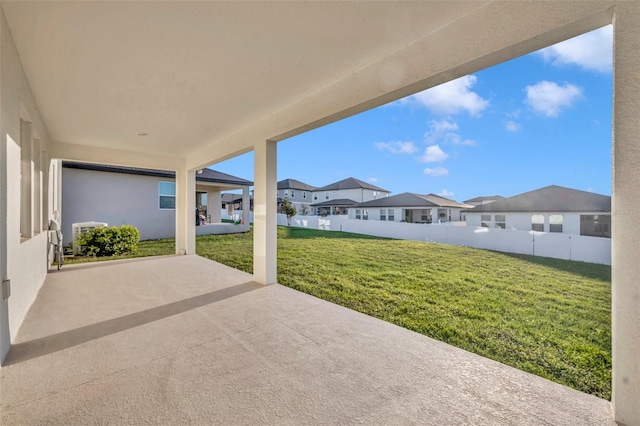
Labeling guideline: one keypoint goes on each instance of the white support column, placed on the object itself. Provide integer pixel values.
(264, 213)
(185, 211)
(246, 206)
(214, 206)
(625, 221)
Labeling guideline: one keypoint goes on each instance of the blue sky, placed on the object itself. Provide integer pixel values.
(537, 120)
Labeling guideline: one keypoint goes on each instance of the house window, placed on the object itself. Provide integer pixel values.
(391, 215)
(315, 197)
(326, 196)
(501, 221)
(293, 193)
(286, 193)
(304, 194)
(595, 225)
(383, 214)
(486, 221)
(537, 222)
(358, 214)
(365, 214)
(555, 223)
(26, 179)
(167, 195)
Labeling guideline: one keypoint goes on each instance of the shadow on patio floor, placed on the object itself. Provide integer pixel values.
(60, 341)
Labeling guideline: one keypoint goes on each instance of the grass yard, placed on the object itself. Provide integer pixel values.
(549, 317)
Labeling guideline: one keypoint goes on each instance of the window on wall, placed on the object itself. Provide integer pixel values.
(537, 222)
(358, 214)
(167, 195)
(293, 193)
(315, 197)
(26, 180)
(304, 194)
(555, 223)
(595, 225)
(501, 221)
(286, 193)
(326, 196)
(365, 214)
(485, 221)
(391, 215)
(383, 214)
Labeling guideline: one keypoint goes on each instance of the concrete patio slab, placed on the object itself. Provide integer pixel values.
(184, 340)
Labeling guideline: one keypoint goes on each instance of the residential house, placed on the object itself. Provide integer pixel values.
(336, 198)
(549, 209)
(477, 201)
(299, 193)
(144, 198)
(143, 84)
(409, 207)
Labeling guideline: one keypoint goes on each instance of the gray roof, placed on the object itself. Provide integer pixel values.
(207, 175)
(340, 202)
(350, 183)
(481, 199)
(409, 199)
(549, 199)
(295, 184)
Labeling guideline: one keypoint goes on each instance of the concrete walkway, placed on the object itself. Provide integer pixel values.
(183, 340)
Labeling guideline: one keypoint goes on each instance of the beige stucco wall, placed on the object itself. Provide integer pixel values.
(117, 199)
(23, 261)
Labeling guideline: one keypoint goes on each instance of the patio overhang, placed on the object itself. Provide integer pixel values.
(182, 85)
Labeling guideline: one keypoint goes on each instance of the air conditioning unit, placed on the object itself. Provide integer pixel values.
(81, 228)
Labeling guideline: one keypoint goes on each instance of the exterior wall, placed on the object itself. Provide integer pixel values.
(415, 215)
(117, 199)
(23, 259)
(356, 194)
(522, 221)
(298, 196)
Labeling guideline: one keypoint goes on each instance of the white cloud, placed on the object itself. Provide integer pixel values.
(514, 114)
(436, 172)
(549, 98)
(512, 126)
(445, 131)
(433, 154)
(398, 147)
(446, 194)
(452, 97)
(373, 180)
(590, 51)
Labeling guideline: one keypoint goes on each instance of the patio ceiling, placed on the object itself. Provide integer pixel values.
(207, 80)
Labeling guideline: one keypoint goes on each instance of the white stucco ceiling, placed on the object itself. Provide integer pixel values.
(195, 76)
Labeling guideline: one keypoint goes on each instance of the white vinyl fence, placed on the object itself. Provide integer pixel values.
(555, 245)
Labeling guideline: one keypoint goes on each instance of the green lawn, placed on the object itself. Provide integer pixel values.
(545, 316)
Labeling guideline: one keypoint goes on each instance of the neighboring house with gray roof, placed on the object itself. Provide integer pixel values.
(409, 207)
(477, 201)
(299, 193)
(549, 209)
(144, 198)
(333, 196)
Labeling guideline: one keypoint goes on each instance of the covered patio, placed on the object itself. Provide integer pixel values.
(184, 340)
(180, 86)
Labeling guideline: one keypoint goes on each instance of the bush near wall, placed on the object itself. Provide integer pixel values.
(109, 240)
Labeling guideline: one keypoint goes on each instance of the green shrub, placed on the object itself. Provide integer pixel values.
(109, 240)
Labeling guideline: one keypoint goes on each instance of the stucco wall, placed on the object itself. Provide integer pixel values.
(22, 260)
(117, 199)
